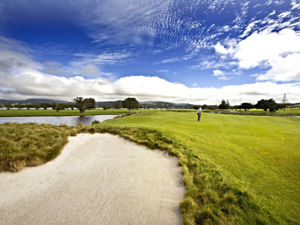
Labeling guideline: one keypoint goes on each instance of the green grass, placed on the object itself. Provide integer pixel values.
(237, 169)
(257, 112)
(258, 154)
(40, 112)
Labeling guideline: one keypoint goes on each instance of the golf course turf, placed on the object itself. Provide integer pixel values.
(237, 169)
(257, 154)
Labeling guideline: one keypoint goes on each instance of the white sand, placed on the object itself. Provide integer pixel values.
(98, 179)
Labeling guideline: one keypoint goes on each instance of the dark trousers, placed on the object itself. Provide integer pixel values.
(199, 115)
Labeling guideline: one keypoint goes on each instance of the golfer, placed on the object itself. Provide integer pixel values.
(199, 113)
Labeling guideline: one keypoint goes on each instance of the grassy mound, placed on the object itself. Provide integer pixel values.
(30, 144)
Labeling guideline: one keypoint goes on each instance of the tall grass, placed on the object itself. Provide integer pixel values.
(30, 144)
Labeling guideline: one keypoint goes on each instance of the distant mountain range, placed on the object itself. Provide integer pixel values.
(149, 104)
(146, 104)
(32, 101)
(110, 104)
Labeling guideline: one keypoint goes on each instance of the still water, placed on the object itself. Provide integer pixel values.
(57, 120)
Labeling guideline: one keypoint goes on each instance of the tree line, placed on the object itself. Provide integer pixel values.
(79, 103)
(83, 104)
(45, 106)
(264, 104)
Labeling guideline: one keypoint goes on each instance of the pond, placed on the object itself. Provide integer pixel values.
(57, 120)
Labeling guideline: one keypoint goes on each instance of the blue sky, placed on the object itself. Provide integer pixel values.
(195, 51)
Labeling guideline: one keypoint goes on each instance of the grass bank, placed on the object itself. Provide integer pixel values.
(237, 169)
(30, 144)
(75, 112)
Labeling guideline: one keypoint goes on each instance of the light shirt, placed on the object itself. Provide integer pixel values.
(199, 110)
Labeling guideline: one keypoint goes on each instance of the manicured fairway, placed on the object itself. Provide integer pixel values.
(260, 154)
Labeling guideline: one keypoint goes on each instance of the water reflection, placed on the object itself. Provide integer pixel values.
(57, 120)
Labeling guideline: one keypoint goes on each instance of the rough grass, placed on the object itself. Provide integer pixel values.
(30, 144)
(41, 112)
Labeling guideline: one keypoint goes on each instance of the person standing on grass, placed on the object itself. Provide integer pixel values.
(199, 113)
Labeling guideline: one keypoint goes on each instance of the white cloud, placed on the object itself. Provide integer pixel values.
(88, 65)
(171, 60)
(100, 59)
(295, 5)
(23, 79)
(228, 49)
(32, 83)
(89, 70)
(265, 46)
(163, 71)
(278, 51)
(127, 20)
(221, 49)
(283, 69)
(220, 75)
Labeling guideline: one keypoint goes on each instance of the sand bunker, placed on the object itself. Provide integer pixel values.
(98, 179)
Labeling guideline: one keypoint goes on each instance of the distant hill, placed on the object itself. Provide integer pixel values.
(146, 104)
(158, 104)
(32, 101)
(108, 103)
(149, 104)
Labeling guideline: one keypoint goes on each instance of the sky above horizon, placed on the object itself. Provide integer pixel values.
(196, 51)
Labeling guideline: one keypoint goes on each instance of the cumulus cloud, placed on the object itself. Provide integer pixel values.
(278, 51)
(283, 69)
(264, 47)
(22, 77)
(32, 83)
(220, 75)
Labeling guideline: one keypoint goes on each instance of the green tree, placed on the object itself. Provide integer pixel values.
(196, 106)
(71, 106)
(79, 103)
(60, 107)
(245, 106)
(105, 107)
(19, 106)
(45, 105)
(83, 104)
(117, 105)
(224, 104)
(266, 105)
(53, 105)
(131, 103)
(89, 103)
